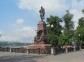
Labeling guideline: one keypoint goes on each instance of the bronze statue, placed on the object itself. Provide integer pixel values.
(42, 13)
(41, 36)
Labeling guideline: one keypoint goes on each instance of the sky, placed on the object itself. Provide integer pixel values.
(19, 18)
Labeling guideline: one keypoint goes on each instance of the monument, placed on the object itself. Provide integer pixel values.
(41, 44)
(41, 36)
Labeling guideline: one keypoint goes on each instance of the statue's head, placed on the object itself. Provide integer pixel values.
(41, 7)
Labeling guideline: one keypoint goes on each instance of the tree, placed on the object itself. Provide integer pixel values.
(80, 30)
(54, 29)
(62, 40)
(68, 27)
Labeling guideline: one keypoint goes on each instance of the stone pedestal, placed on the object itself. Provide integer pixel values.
(41, 36)
(41, 45)
(39, 48)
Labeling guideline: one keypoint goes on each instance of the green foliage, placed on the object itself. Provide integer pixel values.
(53, 39)
(69, 35)
(68, 28)
(83, 11)
(62, 40)
(54, 29)
(55, 36)
(81, 22)
(80, 30)
(68, 21)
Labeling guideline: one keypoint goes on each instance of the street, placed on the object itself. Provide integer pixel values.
(77, 56)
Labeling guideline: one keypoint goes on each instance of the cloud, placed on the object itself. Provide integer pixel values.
(77, 15)
(49, 5)
(1, 33)
(76, 10)
(27, 31)
(55, 7)
(24, 34)
(19, 21)
(20, 34)
(78, 4)
(5, 37)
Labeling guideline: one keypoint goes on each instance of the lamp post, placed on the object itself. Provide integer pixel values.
(62, 31)
(80, 42)
(51, 25)
(52, 48)
(74, 45)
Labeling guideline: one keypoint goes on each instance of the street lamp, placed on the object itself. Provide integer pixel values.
(74, 45)
(79, 35)
(51, 25)
(62, 31)
(80, 42)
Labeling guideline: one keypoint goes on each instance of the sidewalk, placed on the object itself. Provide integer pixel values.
(66, 57)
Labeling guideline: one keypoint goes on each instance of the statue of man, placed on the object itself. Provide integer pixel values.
(42, 13)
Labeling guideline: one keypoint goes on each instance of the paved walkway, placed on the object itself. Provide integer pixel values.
(23, 57)
(66, 57)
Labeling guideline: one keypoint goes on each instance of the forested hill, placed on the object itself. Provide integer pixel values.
(7, 44)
